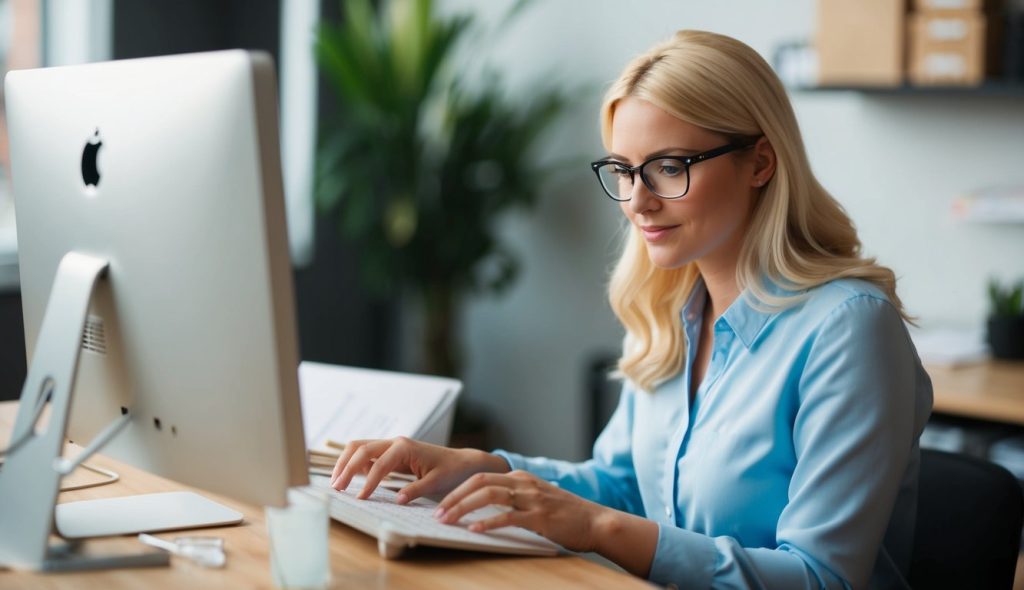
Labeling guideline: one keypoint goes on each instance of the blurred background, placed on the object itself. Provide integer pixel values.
(913, 116)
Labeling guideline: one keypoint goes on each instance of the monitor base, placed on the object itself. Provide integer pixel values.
(73, 557)
(144, 513)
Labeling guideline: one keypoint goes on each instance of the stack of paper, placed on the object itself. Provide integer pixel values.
(950, 347)
(344, 403)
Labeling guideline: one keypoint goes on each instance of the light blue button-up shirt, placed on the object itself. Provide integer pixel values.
(796, 464)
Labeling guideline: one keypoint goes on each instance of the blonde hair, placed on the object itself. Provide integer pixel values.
(798, 235)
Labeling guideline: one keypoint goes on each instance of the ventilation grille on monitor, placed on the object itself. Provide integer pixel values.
(94, 337)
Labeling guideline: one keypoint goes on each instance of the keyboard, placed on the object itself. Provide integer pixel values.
(398, 527)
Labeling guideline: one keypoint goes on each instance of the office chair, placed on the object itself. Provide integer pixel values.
(968, 526)
(602, 392)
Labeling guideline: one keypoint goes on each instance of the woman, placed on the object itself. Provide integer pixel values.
(767, 431)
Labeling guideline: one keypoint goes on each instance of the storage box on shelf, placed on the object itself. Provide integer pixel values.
(912, 47)
(954, 47)
(861, 43)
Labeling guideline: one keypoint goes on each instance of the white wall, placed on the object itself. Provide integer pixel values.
(894, 162)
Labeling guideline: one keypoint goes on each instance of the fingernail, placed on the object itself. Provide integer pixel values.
(439, 513)
(476, 527)
(402, 498)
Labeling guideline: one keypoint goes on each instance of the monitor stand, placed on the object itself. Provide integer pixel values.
(31, 474)
(144, 513)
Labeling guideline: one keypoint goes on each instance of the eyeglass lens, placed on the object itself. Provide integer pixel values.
(666, 178)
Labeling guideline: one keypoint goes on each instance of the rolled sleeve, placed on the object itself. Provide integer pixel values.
(691, 560)
(683, 558)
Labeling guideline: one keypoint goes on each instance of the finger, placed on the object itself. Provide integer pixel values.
(421, 487)
(343, 459)
(485, 496)
(471, 485)
(360, 461)
(510, 518)
(395, 455)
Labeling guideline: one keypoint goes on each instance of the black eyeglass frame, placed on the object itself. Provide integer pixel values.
(686, 161)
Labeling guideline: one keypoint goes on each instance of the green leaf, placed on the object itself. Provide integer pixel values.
(1008, 301)
(420, 165)
(400, 221)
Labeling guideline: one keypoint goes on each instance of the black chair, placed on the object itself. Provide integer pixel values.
(602, 392)
(968, 526)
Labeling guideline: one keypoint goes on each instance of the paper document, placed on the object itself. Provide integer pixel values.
(346, 403)
(949, 347)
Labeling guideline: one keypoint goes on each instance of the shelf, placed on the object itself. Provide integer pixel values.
(988, 89)
(1001, 205)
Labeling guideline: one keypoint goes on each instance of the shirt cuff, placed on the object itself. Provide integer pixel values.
(514, 461)
(535, 465)
(683, 558)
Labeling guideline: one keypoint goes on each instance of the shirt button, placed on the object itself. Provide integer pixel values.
(668, 511)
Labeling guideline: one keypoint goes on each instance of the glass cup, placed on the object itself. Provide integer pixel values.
(298, 540)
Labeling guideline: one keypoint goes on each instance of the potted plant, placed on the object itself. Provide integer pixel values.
(420, 165)
(1006, 323)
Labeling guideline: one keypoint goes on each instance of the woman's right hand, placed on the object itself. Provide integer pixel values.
(438, 470)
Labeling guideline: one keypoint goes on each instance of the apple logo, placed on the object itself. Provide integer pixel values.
(90, 171)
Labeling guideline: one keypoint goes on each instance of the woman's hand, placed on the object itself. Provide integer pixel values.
(537, 505)
(437, 469)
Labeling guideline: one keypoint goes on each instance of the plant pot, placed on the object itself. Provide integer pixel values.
(1006, 336)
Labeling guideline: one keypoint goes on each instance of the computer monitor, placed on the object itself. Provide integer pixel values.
(160, 180)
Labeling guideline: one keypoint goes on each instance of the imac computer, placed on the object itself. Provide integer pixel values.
(157, 291)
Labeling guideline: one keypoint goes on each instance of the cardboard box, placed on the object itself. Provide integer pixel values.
(953, 48)
(861, 43)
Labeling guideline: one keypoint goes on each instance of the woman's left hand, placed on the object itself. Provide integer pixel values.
(537, 505)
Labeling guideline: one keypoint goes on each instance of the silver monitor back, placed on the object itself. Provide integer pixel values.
(192, 329)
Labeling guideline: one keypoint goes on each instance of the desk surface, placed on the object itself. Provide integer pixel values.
(992, 390)
(353, 555)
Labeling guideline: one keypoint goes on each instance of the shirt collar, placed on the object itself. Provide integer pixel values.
(745, 317)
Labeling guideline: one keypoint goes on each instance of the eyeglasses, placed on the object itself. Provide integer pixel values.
(666, 176)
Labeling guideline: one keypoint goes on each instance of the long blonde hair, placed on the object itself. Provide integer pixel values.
(798, 236)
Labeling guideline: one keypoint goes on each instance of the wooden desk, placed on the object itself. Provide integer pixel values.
(993, 390)
(353, 555)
